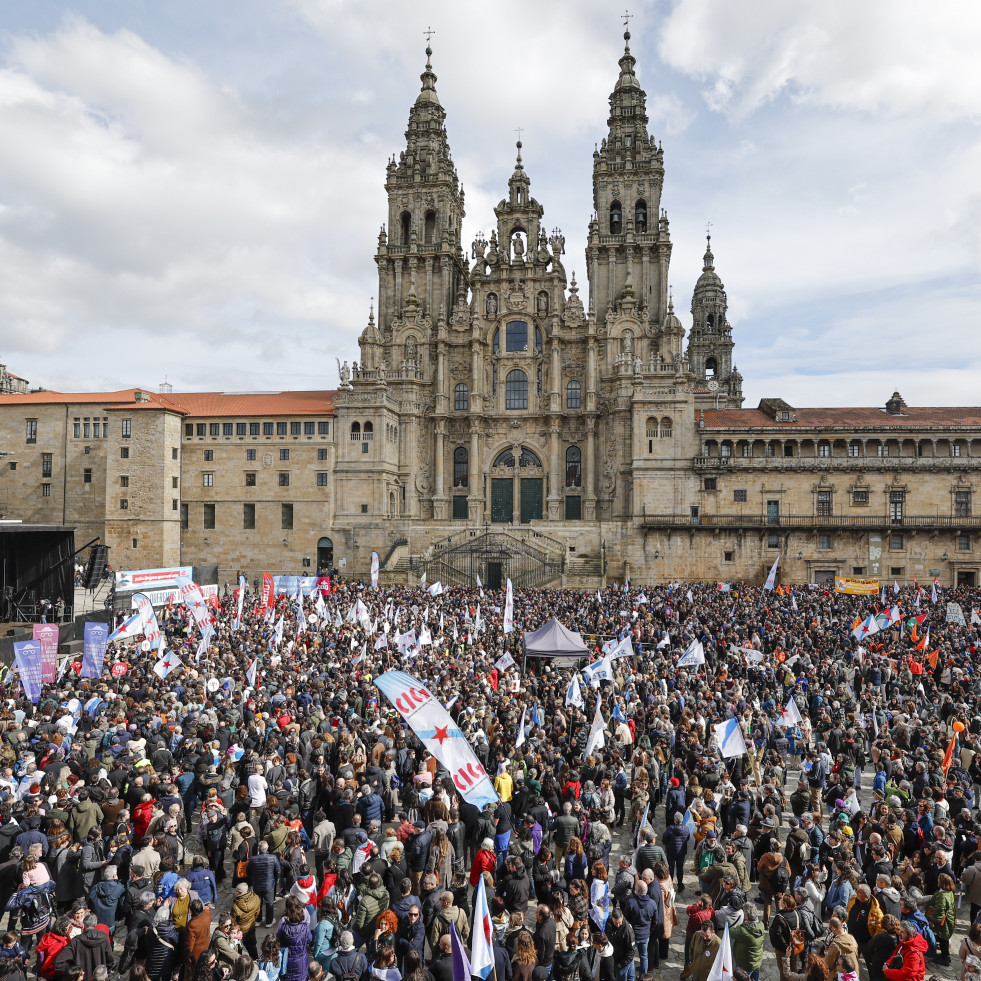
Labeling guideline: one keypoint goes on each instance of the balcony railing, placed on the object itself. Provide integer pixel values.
(880, 463)
(870, 522)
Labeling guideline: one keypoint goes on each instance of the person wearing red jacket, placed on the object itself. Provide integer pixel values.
(908, 963)
(484, 861)
(142, 815)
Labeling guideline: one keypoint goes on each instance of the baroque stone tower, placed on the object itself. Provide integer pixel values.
(710, 343)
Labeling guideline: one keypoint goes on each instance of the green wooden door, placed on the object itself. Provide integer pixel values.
(502, 500)
(531, 499)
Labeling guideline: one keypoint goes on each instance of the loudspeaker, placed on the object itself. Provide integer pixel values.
(94, 571)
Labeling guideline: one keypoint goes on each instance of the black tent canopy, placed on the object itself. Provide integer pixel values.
(554, 640)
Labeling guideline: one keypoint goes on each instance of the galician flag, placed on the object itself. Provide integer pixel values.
(481, 938)
(791, 714)
(721, 969)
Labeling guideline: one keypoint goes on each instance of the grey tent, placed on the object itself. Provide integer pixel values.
(555, 641)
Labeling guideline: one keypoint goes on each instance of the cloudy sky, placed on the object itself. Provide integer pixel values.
(193, 190)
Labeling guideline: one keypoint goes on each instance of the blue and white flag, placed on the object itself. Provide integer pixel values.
(624, 648)
(771, 579)
(252, 673)
(643, 824)
(481, 937)
(730, 738)
(94, 642)
(597, 671)
(689, 821)
(573, 694)
(695, 655)
(169, 662)
(28, 658)
(536, 719)
(618, 713)
(128, 628)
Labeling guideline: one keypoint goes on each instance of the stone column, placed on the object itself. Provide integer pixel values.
(555, 482)
(439, 500)
(589, 483)
(476, 502)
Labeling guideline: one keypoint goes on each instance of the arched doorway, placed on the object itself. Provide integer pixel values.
(325, 554)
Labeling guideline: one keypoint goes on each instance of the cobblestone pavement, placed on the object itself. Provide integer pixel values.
(671, 968)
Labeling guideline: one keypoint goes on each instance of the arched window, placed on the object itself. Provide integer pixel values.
(573, 467)
(369, 431)
(411, 349)
(710, 321)
(516, 390)
(355, 432)
(528, 459)
(505, 459)
(461, 398)
(665, 426)
(406, 227)
(461, 467)
(430, 229)
(516, 336)
(651, 433)
(711, 367)
(573, 395)
(640, 215)
(496, 345)
(616, 218)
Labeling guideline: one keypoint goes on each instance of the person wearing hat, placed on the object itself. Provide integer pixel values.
(246, 907)
(675, 802)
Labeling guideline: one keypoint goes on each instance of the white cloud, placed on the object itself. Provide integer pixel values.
(878, 56)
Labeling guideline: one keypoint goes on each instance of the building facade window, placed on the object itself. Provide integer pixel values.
(309, 429)
(124, 504)
(185, 515)
(123, 452)
(461, 398)
(516, 336)
(228, 429)
(209, 479)
(287, 516)
(268, 429)
(963, 543)
(248, 516)
(124, 480)
(281, 429)
(461, 467)
(250, 480)
(860, 497)
(45, 490)
(209, 456)
(46, 464)
(254, 428)
(87, 475)
(824, 502)
(573, 395)
(897, 499)
(284, 454)
(295, 428)
(321, 479)
(854, 449)
(962, 504)
(896, 542)
(323, 428)
(241, 429)
(824, 449)
(284, 480)
(77, 429)
(321, 452)
(516, 390)
(208, 515)
(250, 455)
(711, 483)
(355, 432)
(824, 542)
(32, 430)
(200, 429)
(214, 429)
(573, 467)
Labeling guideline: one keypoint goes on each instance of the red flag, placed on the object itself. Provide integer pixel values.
(268, 591)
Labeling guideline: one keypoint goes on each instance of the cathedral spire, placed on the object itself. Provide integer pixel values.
(627, 79)
(428, 79)
(708, 260)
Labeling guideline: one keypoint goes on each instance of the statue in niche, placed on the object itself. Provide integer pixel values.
(518, 245)
(492, 305)
(542, 304)
(628, 343)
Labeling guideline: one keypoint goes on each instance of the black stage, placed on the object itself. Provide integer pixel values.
(35, 564)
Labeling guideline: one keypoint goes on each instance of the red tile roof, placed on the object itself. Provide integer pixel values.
(861, 417)
(203, 404)
(213, 404)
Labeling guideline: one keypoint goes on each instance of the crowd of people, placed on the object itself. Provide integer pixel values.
(288, 824)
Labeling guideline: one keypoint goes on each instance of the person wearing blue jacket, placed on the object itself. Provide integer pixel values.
(675, 844)
(645, 913)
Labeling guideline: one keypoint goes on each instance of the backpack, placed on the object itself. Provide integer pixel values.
(346, 973)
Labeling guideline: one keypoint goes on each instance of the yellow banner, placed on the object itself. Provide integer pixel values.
(857, 587)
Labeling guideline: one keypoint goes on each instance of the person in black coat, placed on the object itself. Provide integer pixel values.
(514, 886)
(138, 923)
(675, 844)
(264, 873)
(411, 934)
(441, 963)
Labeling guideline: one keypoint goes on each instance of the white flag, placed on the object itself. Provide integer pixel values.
(624, 649)
(169, 662)
(573, 695)
(425, 637)
(693, 656)
(521, 730)
(730, 738)
(665, 641)
(435, 590)
(509, 609)
(251, 673)
(791, 714)
(504, 662)
(690, 596)
(771, 579)
(480, 587)
(596, 740)
(406, 641)
(422, 580)
(721, 969)
(279, 630)
(374, 569)
(381, 643)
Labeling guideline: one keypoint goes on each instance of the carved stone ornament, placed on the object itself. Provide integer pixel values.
(517, 300)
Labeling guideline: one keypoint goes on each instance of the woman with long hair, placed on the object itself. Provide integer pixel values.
(440, 861)
(525, 958)
(576, 863)
(600, 900)
(294, 937)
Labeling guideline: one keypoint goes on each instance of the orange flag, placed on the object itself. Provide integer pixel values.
(949, 755)
(932, 660)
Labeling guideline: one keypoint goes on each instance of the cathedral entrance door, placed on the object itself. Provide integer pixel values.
(325, 553)
(494, 575)
(531, 499)
(502, 500)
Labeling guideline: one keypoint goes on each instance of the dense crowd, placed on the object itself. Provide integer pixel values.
(202, 827)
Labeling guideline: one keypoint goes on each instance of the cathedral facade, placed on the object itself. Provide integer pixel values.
(493, 392)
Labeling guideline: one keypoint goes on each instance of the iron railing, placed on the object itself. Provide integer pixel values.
(829, 521)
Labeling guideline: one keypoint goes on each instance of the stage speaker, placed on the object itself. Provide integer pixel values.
(94, 571)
